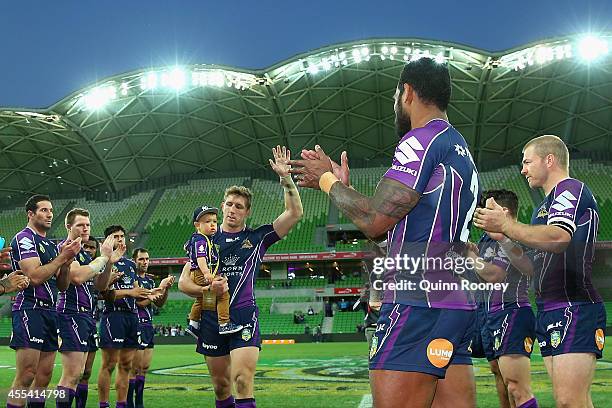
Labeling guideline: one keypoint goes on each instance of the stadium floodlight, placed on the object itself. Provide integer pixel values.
(384, 49)
(175, 79)
(393, 50)
(544, 54)
(313, 68)
(356, 55)
(439, 58)
(325, 64)
(591, 47)
(99, 97)
(124, 88)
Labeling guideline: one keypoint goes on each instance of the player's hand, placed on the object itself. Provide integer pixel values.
(117, 253)
(156, 294)
(492, 218)
(140, 293)
(5, 254)
(115, 276)
(280, 165)
(70, 249)
(308, 172)
(14, 281)
(106, 248)
(340, 170)
(219, 285)
(167, 282)
(375, 305)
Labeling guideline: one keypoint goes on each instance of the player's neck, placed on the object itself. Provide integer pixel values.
(424, 115)
(227, 228)
(553, 180)
(42, 233)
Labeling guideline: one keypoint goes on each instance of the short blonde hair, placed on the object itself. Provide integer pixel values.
(241, 191)
(549, 144)
(73, 213)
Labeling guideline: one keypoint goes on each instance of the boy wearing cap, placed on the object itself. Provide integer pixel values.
(204, 257)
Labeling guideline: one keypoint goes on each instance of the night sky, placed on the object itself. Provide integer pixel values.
(53, 48)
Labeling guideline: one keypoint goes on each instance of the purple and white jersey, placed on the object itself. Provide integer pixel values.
(28, 244)
(145, 314)
(241, 254)
(126, 304)
(517, 293)
(78, 298)
(201, 246)
(565, 279)
(435, 161)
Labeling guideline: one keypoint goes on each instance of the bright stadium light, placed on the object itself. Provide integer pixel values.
(124, 88)
(99, 97)
(384, 49)
(356, 55)
(440, 58)
(313, 69)
(590, 48)
(175, 79)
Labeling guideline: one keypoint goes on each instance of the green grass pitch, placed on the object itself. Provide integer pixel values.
(300, 375)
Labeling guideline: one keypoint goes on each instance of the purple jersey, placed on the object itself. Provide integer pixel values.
(241, 256)
(564, 279)
(201, 246)
(28, 244)
(516, 294)
(78, 298)
(145, 314)
(435, 161)
(126, 304)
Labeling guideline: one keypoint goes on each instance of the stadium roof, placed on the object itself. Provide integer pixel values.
(151, 123)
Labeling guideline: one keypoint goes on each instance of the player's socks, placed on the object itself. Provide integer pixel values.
(226, 403)
(130, 394)
(16, 406)
(81, 395)
(246, 403)
(104, 404)
(139, 390)
(36, 403)
(66, 400)
(532, 403)
(121, 404)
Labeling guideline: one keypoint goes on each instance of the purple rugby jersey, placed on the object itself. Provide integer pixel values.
(564, 279)
(435, 161)
(28, 244)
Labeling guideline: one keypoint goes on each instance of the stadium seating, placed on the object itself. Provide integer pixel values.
(15, 219)
(126, 212)
(346, 322)
(597, 177)
(171, 225)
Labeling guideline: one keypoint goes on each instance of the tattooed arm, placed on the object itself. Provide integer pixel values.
(376, 215)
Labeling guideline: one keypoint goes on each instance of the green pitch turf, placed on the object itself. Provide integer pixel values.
(299, 375)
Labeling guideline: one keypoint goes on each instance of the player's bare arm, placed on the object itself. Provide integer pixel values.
(104, 279)
(164, 288)
(293, 203)
(375, 215)
(549, 238)
(39, 274)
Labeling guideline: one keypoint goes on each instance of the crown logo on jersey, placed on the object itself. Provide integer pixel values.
(231, 260)
(542, 213)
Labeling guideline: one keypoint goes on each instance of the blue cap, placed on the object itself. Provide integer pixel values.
(205, 209)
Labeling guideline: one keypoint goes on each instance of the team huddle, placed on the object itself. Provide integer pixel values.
(421, 352)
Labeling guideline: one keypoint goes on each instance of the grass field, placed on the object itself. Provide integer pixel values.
(295, 376)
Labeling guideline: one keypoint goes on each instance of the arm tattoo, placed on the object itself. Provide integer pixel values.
(392, 200)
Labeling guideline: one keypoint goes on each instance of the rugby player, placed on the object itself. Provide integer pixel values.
(119, 325)
(75, 306)
(571, 319)
(144, 354)
(231, 358)
(509, 328)
(424, 203)
(34, 336)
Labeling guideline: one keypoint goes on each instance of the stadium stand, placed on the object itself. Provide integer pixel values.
(597, 177)
(170, 224)
(14, 220)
